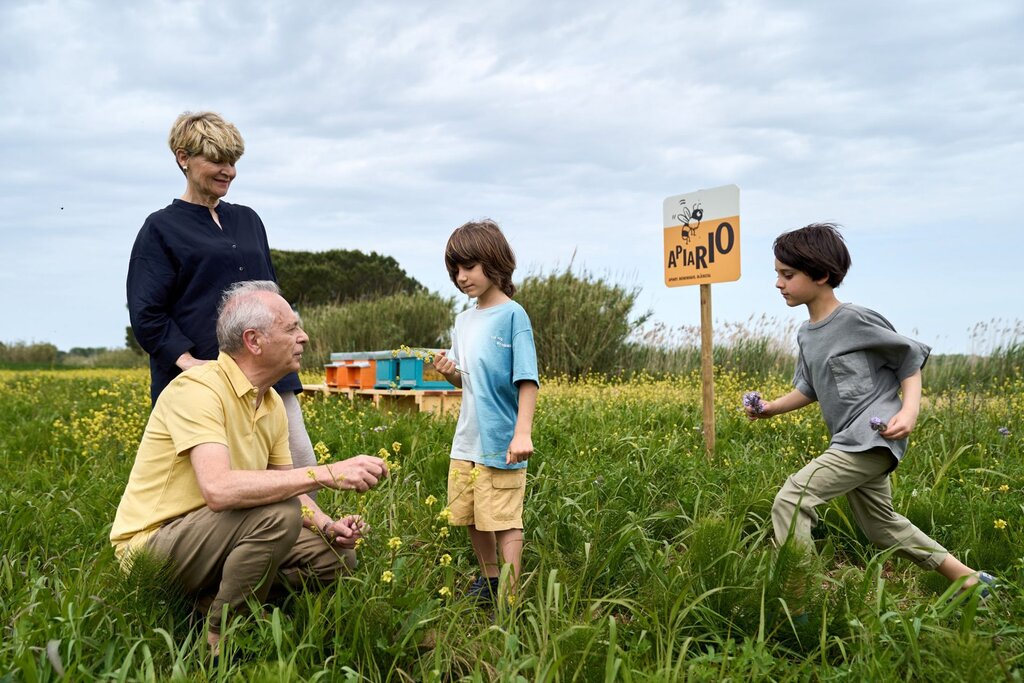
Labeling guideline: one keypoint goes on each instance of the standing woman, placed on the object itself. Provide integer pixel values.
(189, 252)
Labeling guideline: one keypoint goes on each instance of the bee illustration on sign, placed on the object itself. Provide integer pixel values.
(690, 218)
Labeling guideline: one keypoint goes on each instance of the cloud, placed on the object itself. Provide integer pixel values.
(382, 126)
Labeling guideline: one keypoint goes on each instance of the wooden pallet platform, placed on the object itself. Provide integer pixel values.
(435, 401)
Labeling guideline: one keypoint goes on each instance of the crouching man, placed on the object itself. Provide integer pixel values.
(212, 488)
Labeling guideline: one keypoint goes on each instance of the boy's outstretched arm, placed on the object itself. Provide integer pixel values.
(794, 400)
(521, 447)
(902, 423)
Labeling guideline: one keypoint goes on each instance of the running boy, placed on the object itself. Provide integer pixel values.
(855, 365)
(494, 360)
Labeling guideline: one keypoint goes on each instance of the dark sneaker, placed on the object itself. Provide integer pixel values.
(989, 582)
(985, 585)
(484, 591)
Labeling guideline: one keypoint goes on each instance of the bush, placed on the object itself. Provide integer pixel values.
(580, 324)
(20, 353)
(339, 276)
(104, 358)
(421, 319)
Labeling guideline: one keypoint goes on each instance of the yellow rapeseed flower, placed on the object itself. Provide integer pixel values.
(444, 592)
(442, 532)
(1000, 524)
(429, 501)
(394, 543)
(306, 512)
(323, 454)
(445, 514)
(383, 453)
(1004, 488)
(387, 577)
(445, 560)
(396, 446)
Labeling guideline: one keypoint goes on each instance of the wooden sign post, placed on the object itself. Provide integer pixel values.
(702, 246)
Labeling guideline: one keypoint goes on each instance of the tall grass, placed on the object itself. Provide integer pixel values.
(758, 346)
(644, 561)
(420, 319)
(997, 356)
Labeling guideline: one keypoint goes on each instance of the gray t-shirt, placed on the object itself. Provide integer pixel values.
(852, 363)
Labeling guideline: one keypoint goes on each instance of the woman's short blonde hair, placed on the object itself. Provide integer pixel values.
(208, 134)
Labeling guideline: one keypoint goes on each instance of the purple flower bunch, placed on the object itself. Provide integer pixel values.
(877, 424)
(1004, 431)
(752, 399)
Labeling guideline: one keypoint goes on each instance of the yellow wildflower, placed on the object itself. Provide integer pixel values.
(445, 514)
(306, 512)
(1004, 488)
(1000, 524)
(429, 501)
(359, 542)
(396, 446)
(387, 576)
(473, 475)
(445, 560)
(442, 532)
(323, 454)
(383, 453)
(394, 543)
(444, 592)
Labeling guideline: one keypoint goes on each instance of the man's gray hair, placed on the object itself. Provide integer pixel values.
(241, 308)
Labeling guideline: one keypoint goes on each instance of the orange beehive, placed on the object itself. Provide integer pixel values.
(351, 374)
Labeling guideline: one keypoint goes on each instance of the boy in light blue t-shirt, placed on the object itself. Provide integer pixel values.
(494, 360)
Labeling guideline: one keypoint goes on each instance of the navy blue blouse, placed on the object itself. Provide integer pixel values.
(180, 265)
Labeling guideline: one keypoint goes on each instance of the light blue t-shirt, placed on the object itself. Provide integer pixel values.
(494, 347)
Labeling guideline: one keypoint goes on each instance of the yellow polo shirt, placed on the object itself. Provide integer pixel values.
(210, 403)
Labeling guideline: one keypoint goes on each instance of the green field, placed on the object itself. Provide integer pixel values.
(645, 560)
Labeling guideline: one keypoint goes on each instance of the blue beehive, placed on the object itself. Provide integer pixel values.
(387, 373)
(414, 373)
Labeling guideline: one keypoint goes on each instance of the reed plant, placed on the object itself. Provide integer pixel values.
(421, 319)
(761, 345)
(581, 322)
(996, 356)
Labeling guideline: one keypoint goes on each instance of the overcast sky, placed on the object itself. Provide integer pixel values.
(381, 126)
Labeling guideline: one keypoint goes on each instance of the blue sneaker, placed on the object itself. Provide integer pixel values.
(985, 585)
(989, 582)
(484, 591)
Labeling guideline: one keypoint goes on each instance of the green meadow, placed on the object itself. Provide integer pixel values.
(645, 559)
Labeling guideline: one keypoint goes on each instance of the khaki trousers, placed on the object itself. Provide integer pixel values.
(235, 555)
(863, 478)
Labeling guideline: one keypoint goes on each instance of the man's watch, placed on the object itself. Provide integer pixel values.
(325, 529)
